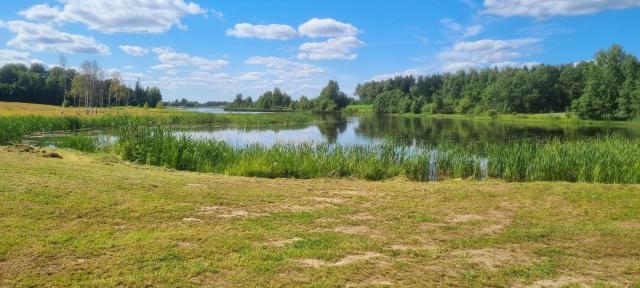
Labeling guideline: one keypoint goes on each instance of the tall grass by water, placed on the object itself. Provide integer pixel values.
(609, 159)
(15, 128)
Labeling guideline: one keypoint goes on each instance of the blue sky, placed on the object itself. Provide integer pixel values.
(211, 50)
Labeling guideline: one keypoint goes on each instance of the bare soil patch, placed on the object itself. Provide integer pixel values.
(227, 212)
(315, 263)
(493, 258)
(192, 220)
(284, 242)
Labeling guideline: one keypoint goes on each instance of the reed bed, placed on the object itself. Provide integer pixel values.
(13, 129)
(610, 159)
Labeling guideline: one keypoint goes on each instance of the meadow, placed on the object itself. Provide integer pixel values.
(92, 220)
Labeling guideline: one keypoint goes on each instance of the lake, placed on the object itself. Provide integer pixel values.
(410, 130)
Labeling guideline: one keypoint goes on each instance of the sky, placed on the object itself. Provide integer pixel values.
(212, 50)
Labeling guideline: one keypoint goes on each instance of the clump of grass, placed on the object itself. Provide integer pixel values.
(606, 160)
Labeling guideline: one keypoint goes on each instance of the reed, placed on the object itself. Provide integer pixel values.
(609, 159)
(14, 128)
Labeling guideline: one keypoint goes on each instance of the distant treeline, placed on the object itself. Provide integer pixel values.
(186, 103)
(606, 88)
(330, 99)
(59, 86)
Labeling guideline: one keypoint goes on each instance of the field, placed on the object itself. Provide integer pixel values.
(92, 220)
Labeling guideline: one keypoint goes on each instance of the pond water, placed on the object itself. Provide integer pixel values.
(407, 130)
(410, 130)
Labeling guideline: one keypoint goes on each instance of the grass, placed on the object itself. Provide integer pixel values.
(90, 220)
(359, 108)
(608, 159)
(34, 118)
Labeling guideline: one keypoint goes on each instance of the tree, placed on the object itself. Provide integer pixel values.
(331, 98)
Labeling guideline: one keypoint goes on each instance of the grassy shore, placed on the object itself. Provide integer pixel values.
(91, 220)
(603, 160)
(18, 120)
(553, 118)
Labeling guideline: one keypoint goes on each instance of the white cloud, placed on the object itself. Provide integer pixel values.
(270, 32)
(134, 50)
(162, 67)
(13, 56)
(549, 8)
(486, 53)
(284, 67)
(457, 30)
(168, 56)
(111, 16)
(41, 12)
(42, 37)
(340, 48)
(326, 28)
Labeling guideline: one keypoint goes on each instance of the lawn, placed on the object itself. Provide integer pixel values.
(93, 220)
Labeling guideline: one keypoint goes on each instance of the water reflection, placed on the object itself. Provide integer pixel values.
(409, 130)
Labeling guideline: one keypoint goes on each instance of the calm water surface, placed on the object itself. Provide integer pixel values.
(410, 130)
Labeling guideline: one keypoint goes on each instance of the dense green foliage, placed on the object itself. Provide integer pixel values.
(35, 84)
(607, 160)
(607, 88)
(330, 99)
(15, 128)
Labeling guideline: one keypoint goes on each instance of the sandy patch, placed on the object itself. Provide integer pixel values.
(362, 217)
(185, 244)
(497, 257)
(192, 220)
(300, 208)
(284, 242)
(361, 230)
(328, 200)
(315, 263)
(405, 247)
(227, 212)
(462, 218)
(352, 193)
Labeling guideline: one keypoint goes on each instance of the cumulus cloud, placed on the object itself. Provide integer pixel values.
(340, 48)
(111, 16)
(168, 56)
(42, 37)
(326, 28)
(270, 32)
(486, 53)
(13, 56)
(134, 50)
(549, 8)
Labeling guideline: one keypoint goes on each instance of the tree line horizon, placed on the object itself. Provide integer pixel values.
(605, 88)
(89, 87)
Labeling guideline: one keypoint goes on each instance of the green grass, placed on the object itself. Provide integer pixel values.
(358, 108)
(88, 220)
(609, 159)
(15, 128)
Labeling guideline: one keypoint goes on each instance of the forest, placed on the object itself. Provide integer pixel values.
(89, 87)
(607, 88)
(330, 99)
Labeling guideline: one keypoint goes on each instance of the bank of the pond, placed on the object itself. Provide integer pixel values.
(93, 221)
(609, 159)
(14, 128)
